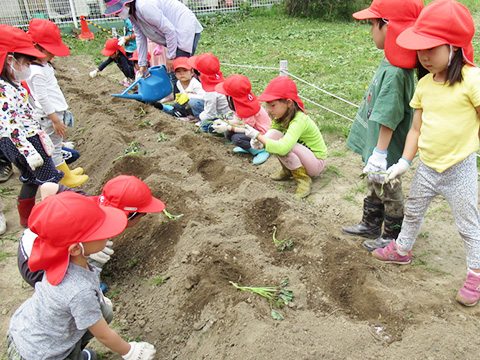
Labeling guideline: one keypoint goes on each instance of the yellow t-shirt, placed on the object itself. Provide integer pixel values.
(449, 131)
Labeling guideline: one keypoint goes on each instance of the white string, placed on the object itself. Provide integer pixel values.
(325, 108)
(252, 67)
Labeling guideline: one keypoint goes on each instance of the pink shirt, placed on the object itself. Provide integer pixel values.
(260, 121)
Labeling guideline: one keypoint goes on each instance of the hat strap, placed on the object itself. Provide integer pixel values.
(83, 250)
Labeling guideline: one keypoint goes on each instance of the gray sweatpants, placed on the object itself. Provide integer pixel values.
(458, 185)
(47, 126)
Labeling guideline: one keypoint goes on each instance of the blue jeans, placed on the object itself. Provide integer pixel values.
(197, 106)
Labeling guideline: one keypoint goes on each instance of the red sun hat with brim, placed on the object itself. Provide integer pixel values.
(181, 62)
(281, 87)
(209, 67)
(15, 40)
(442, 22)
(46, 34)
(134, 56)
(130, 194)
(66, 219)
(115, 6)
(240, 89)
(401, 14)
(111, 45)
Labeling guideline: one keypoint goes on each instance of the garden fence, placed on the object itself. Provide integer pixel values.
(67, 12)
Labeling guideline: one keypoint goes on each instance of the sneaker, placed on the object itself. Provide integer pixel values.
(239, 150)
(469, 294)
(390, 255)
(89, 354)
(6, 172)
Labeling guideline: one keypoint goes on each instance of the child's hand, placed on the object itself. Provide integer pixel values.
(376, 165)
(35, 161)
(397, 170)
(220, 126)
(251, 132)
(93, 73)
(122, 41)
(59, 128)
(103, 256)
(140, 351)
(255, 144)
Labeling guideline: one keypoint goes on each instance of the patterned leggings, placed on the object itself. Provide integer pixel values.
(458, 185)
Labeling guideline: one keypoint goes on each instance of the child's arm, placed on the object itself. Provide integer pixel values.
(210, 109)
(58, 125)
(376, 165)
(384, 138)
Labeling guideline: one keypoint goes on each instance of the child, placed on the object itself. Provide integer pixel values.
(190, 98)
(445, 131)
(216, 104)
(118, 55)
(247, 110)
(128, 41)
(293, 137)
(65, 311)
(21, 138)
(124, 192)
(51, 108)
(383, 120)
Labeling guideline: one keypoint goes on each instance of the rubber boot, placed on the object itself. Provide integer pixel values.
(370, 226)
(391, 229)
(259, 156)
(282, 175)
(25, 207)
(239, 150)
(71, 180)
(77, 171)
(304, 182)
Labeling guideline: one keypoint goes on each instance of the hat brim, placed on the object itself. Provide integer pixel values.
(221, 89)
(107, 52)
(268, 97)
(112, 10)
(413, 41)
(366, 14)
(154, 206)
(57, 49)
(192, 61)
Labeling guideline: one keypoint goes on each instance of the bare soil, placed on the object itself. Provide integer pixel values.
(346, 305)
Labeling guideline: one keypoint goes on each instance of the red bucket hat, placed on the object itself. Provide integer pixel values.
(115, 6)
(281, 87)
(442, 22)
(130, 194)
(209, 67)
(181, 62)
(240, 89)
(111, 45)
(66, 219)
(15, 40)
(134, 56)
(400, 14)
(46, 34)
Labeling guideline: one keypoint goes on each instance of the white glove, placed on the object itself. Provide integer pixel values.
(140, 351)
(251, 132)
(93, 73)
(121, 41)
(103, 256)
(398, 169)
(220, 126)
(34, 161)
(138, 75)
(255, 144)
(377, 162)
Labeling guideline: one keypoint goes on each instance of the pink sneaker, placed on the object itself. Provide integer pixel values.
(469, 294)
(389, 254)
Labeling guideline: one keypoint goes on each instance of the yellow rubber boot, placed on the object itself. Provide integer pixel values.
(304, 182)
(282, 175)
(77, 171)
(69, 179)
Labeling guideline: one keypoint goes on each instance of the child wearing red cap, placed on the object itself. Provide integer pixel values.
(445, 132)
(65, 311)
(382, 122)
(293, 137)
(124, 192)
(247, 110)
(22, 140)
(116, 54)
(51, 108)
(216, 104)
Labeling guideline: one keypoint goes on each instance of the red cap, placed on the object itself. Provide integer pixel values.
(181, 62)
(240, 89)
(111, 45)
(209, 67)
(130, 194)
(442, 22)
(46, 34)
(281, 87)
(400, 14)
(16, 40)
(66, 219)
(134, 56)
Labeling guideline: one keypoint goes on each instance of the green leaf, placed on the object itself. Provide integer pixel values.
(276, 315)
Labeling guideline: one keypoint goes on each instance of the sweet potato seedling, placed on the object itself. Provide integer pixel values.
(363, 175)
(286, 244)
(170, 216)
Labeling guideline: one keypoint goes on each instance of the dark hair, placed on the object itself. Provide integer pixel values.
(382, 22)
(5, 74)
(420, 70)
(284, 121)
(231, 104)
(454, 70)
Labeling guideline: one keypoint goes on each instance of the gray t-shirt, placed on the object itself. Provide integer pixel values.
(54, 319)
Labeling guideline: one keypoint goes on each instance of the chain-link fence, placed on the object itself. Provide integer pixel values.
(19, 12)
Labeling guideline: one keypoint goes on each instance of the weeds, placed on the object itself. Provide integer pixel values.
(162, 137)
(130, 264)
(286, 244)
(6, 191)
(158, 280)
(132, 149)
(10, 236)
